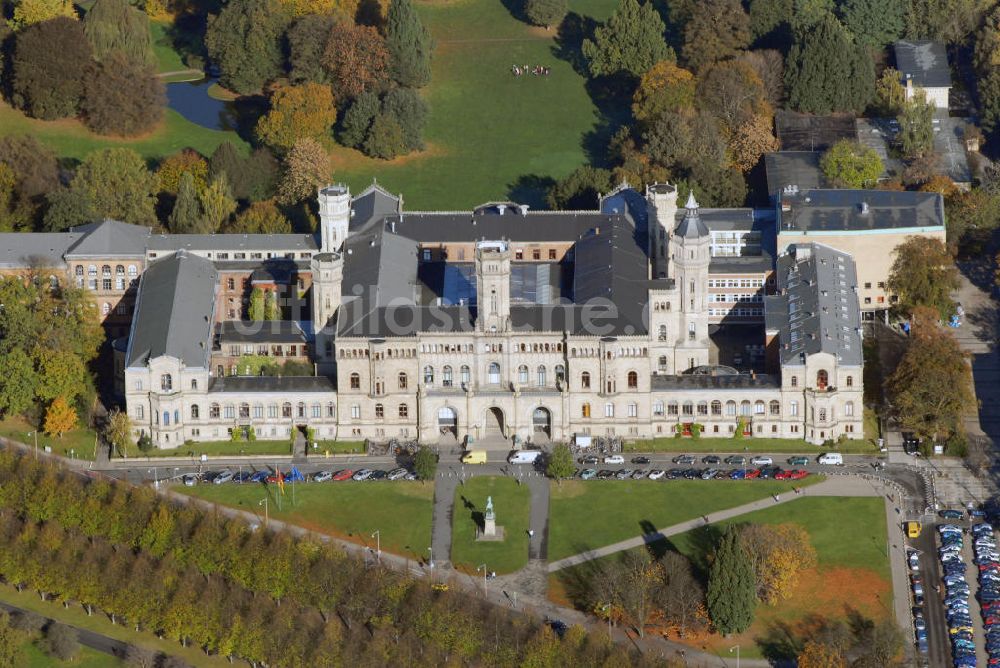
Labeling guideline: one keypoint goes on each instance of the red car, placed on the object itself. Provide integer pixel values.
(273, 478)
(343, 475)
(797, 474)
(783, 475)
(753, 473)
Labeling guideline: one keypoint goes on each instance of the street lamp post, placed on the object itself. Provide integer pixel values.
(378, 546)
(431, 563)
(263, 502)
(35, 434)
(737, 648)
(156, 481)
(482, 567)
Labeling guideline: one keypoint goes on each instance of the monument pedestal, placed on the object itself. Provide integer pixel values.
(490, 530)
(496, 536)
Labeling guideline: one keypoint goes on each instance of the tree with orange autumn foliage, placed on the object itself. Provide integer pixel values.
(778, 555)
(59, 418)
(356, 60)
(820, 655)
(665, 87)
(752, 139)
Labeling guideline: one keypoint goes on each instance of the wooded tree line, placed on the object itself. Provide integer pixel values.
(204, 580)
(706, 76)
(103, 69)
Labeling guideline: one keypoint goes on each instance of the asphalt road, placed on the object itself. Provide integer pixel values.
(938, 644)
(87, 638)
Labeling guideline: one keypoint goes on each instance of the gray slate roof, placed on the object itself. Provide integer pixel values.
(793, 168)
(110, 238)
(263, 331)
(371, 205)
(233, 242)
(21, 249)
(843, 210)
(272, 384)
(743, 381)
(925, 61)
(488, 224)
(174, 309)
(805, 132)
(691, 225)
(816, 308)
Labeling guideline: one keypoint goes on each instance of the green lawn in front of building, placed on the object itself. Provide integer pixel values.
(79, 443)
(512, 504)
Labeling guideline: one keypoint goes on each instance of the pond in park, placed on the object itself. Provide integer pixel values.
(191, 100)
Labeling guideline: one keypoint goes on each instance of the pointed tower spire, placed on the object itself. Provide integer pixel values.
(692, 203)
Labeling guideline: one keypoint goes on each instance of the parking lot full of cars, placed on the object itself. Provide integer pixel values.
(293, 475)
(712, 467)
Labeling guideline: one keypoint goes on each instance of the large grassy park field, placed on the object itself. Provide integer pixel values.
(490, 135)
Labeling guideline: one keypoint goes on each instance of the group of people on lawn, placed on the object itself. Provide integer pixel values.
(518, 70)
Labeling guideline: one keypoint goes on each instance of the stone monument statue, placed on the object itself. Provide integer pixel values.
(489, 520)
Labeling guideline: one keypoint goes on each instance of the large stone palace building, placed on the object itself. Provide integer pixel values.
(638, 319)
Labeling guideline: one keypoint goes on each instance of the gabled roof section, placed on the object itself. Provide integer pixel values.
(373, 203)
(174, 309)
(110, 238)
(19, 250)
(925, 62)
(816, 309)
(610, 265)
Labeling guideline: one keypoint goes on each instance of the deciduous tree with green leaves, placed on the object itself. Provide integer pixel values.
(118, 431)
(630, 41)
(115, 183)
(923, 274)
(874, 23)
(425, 463)
(848, 164)
(560, 462)
(916, 128)
(217, 203)
(546, 13)
(122, 96)
(261, 218)
(731, 596)
(245, 41)
(580, 189)
(255, 309)
(717, 30)
(47, 82)
(115, 25)
(186, 216)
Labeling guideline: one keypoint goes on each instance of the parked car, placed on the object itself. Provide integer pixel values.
(190, 480)
(640, 460)
(639, 474)
(362, 474)
(951, 514)
(798, 460)
(761, 460)
(614, 459)
(684, 459)
(753, 474)
(323, 476)
(605, 474)
(398, 474)
(344, 474)
(737, 474)
(259, 476)
(709, 474)
(587, 474)
(622, 474)
(797, 474)
(712, 460)
(736, 460)
(656, 474)
(378, 474)
(589, 459)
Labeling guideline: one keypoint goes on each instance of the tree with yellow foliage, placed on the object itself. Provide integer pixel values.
(665, 87)
(29, 12)
(183, 162)
(820, 655)
(752, 139)
(297, 112)
(778, 555)
(59, 418)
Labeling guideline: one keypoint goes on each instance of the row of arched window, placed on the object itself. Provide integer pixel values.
(108, 281)
(822, 380)
(730, 409)
(246, 411)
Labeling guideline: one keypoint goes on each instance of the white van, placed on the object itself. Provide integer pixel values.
(524, 456)
(833, 458)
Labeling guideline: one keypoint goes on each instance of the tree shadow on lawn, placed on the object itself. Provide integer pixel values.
(477, 516)
(516, 9)
(610, 94)
(530, 189)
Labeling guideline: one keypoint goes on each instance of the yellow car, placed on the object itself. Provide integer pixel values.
(913, 529)
(437, 586)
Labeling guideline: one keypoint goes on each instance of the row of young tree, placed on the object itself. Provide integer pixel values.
(261, 596)
(329, 65)
(103, 70)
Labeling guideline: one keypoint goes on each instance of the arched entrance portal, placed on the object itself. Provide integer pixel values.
(541, 421)
(448, 422)
(494, 423)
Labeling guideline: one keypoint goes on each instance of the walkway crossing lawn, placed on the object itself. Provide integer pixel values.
(70, 139)
(852, 576)
(400, 511)
(81, 440)
(511, 502)
(85, 658)
(584, 515)
(763, 445)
